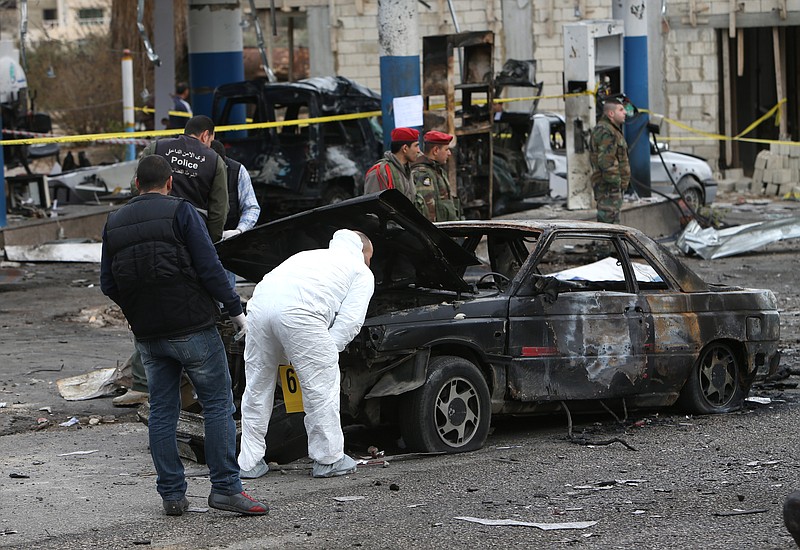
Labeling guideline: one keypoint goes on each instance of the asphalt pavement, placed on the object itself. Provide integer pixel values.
(685, 482)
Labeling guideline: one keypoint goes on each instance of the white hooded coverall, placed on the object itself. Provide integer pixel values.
(305, 310)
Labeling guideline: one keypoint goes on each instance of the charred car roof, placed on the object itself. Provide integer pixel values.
(335, 93)
(409, 250)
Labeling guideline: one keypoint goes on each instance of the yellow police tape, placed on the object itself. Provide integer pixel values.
(160, 133)
(775, 111)
(151, 111)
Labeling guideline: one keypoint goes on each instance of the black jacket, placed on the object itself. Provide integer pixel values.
(149, 268)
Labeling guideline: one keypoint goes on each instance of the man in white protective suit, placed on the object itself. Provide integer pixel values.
(305, 311)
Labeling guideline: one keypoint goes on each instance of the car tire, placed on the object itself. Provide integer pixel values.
(451, 412)
(692, 192)
(715, 384)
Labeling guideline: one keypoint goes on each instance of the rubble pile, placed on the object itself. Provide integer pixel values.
(777, 171)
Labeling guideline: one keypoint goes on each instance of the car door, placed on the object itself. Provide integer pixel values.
(577, 327)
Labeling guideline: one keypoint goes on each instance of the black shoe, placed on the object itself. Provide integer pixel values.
(240, 502)
(176, 507)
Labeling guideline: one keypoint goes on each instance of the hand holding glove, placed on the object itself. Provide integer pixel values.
(228, 233)
(240, 324)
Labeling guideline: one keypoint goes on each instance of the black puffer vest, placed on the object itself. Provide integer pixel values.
(193, 168)
(159, 291)
(233, 194)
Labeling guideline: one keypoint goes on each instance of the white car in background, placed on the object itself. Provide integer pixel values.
(546, 153)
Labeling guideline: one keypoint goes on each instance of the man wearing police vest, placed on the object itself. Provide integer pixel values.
(199, 174)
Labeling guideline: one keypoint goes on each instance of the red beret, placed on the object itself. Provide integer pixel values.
(439, 138)
(405, 134)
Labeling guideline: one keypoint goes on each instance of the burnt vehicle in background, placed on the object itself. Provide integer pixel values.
(475, 319)
(300, 166)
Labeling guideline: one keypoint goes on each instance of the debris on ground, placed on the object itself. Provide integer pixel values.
(348, 498)
(759, 400)
(740, 512)
(79, 453)
(102, 316)
(96, 383)
(710, 243)
(542, 526)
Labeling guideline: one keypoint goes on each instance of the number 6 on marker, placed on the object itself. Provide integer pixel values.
(292, 394)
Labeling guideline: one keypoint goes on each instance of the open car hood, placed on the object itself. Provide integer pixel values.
(409, 249)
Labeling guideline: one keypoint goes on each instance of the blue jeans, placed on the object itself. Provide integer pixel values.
(202, 355)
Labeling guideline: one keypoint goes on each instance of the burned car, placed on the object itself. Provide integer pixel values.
(298, 166)
(475, 319)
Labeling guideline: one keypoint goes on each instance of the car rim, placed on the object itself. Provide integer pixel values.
(718, 376)
(692, 197)
(458, 412)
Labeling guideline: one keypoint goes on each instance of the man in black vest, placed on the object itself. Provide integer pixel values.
(160, 266)
(199, 174)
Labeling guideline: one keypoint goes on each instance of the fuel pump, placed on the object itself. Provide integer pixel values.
(593, 57)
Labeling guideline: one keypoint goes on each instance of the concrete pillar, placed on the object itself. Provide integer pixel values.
(215, 49)
(636, 85)
(164, 45)
(517, 44)
(398, 36)
(319, 41)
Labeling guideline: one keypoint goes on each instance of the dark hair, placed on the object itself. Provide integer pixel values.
(428, 146)
(181, 87)
(610, 103)
(152, 172)
(198, 124)
(395, 146)
(218, 147)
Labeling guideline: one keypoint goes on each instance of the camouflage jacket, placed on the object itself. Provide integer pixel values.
(433, 191)
(389, 173)
(609, 156)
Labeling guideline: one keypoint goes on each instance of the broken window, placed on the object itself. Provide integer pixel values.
(594, 261)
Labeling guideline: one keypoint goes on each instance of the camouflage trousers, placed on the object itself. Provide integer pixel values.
(609, 202)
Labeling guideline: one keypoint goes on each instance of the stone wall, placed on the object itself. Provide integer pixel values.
(358, 51)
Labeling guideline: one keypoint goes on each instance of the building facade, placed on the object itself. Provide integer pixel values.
(714, 67)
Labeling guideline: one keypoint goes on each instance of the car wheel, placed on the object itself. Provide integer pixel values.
(334, 194)
(692, 192)
(715, 383)
(450, 412)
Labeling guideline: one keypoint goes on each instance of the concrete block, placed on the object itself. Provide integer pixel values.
(676, 88)
(783, 175)
(742, 186)
(690, 61)
(702, 48)
(701, 87)
(793, 150)
(726, 186)
(734, 174)
(694, 76)
(771, 189)
(761, 159)
(758, 175)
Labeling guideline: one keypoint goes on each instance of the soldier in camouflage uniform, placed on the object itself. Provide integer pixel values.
(430, 178)
(611, 172)
(393, 171)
